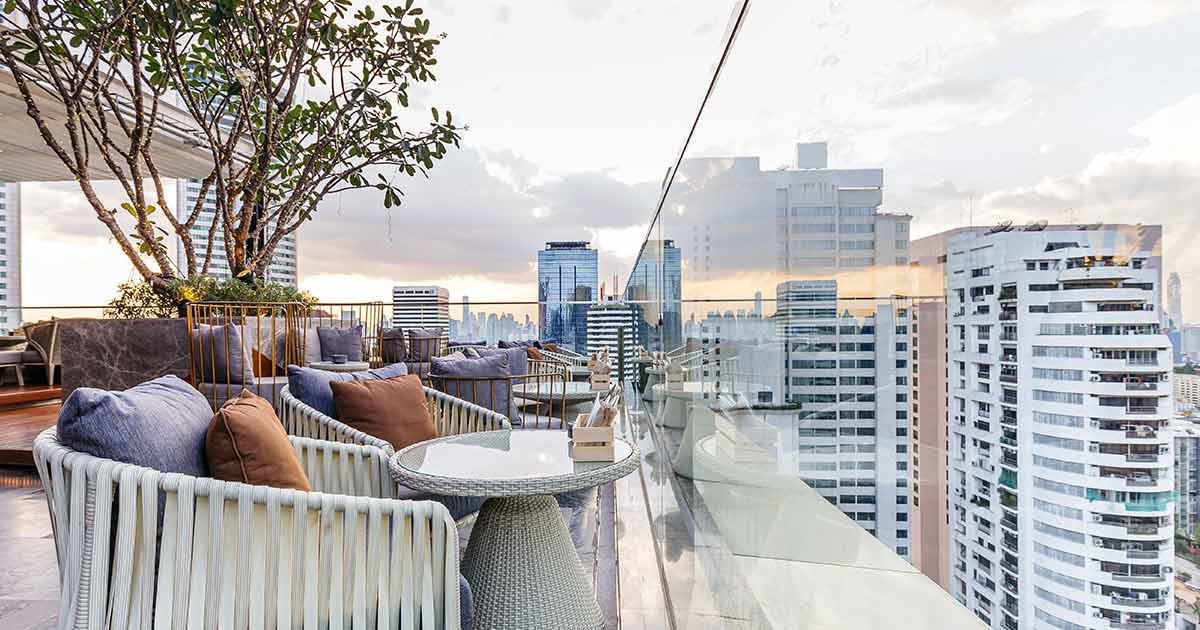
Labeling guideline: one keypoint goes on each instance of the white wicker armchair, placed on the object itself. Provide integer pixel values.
(451, 416)
(234, 555)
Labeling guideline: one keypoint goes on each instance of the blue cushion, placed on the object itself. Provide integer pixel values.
(483, 381)
(159, 424)
(347, 341)
(311, 386)
(222, 355)
(466, 604)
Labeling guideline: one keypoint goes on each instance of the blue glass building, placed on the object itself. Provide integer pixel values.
(568, 283)
(654, 287)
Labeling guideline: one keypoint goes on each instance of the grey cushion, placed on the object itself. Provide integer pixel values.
(423, 344)
(221, 356)
(268, 387)
(471, 353)
(518, 358)
(31, 356)
(311, 386)
(459, 507)
(483, 381)
(347, 341)
(11, 357)
(466, 604)
(392, 346)
(159, 424)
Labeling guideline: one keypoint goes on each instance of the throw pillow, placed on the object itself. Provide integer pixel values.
(471, 353)
(311, 386)
(551, 346)
(246, 443)
(391, 345)
(483, 381)
(506, 344)
(158, 424)
(518, 358)
(347, 341)
(392, 409)
(534, 353)
(423, 344)
(221, 356)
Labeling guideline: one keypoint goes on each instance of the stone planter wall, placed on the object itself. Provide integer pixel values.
(120, 353)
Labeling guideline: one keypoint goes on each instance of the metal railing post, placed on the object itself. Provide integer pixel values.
(621, 354)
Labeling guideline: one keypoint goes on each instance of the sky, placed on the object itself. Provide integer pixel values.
(977, 111)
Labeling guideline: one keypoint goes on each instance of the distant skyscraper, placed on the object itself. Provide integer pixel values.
(604, 323)
(466, 309)
(10, 257)
(283, 267)
(1175, 300)
(421, 307)
(845, 364)
(567, 284)
(655, 287)
(758, 304)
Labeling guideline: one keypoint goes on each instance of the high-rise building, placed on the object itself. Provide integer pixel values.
(846, 365)
(421, 307)
(10, 257)
(568, 284)
(283, 267)
(1185, 386)
(655, 287)
(1175, 300)
(606, 322)
(1187, 478)
(1061, 490)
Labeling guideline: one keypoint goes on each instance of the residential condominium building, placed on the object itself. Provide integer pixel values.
(846, 365)
(1187, 477)
(425, 307)
(1061, 488)
(10, 257)
(1185, 385)
(283, 268)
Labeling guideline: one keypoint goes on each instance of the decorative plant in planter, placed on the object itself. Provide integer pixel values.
(137, 300)
(288, 100)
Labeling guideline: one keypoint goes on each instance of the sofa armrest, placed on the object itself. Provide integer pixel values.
(455, 416)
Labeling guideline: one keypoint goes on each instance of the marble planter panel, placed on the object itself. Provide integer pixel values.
(120, 353)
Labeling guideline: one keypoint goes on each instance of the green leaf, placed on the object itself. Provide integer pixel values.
(33, 57)
(435, 113)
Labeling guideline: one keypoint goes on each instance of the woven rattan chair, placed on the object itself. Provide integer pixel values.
(233, 555)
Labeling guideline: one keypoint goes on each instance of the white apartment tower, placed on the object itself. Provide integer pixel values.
(604, 324)
(421, 307)
(283, 267)
(1060, 450)
(10, 257)
(846, 364)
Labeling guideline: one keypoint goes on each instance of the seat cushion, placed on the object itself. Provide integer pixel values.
(347, 341)
(466, 604)
(311, 386)
(459, 507)
(518, 358)
(220, 354)
(246, 443)
(159, 424)
(483, 381)
(31, 356)
(392, 346)
(392, 409)
(423, 344)
(12, 357)
(268, 387)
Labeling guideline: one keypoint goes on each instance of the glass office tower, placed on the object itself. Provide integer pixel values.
(567, 284)
(654, 286)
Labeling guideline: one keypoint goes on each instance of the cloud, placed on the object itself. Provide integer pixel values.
(481, 215)
(588, 10)
(503, 13)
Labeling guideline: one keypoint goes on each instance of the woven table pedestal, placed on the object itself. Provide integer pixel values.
(529, 528)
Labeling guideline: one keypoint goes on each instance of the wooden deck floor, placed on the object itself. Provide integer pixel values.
(24, 412)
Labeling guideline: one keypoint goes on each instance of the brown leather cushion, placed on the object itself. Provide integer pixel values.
(391, 409)
(246, 443)
(534, 353)
(552, 347)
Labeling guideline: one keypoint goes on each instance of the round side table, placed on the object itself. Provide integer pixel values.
(349, 366)
(521, 564)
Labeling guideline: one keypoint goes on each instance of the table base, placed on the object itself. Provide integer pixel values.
(524, 571)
